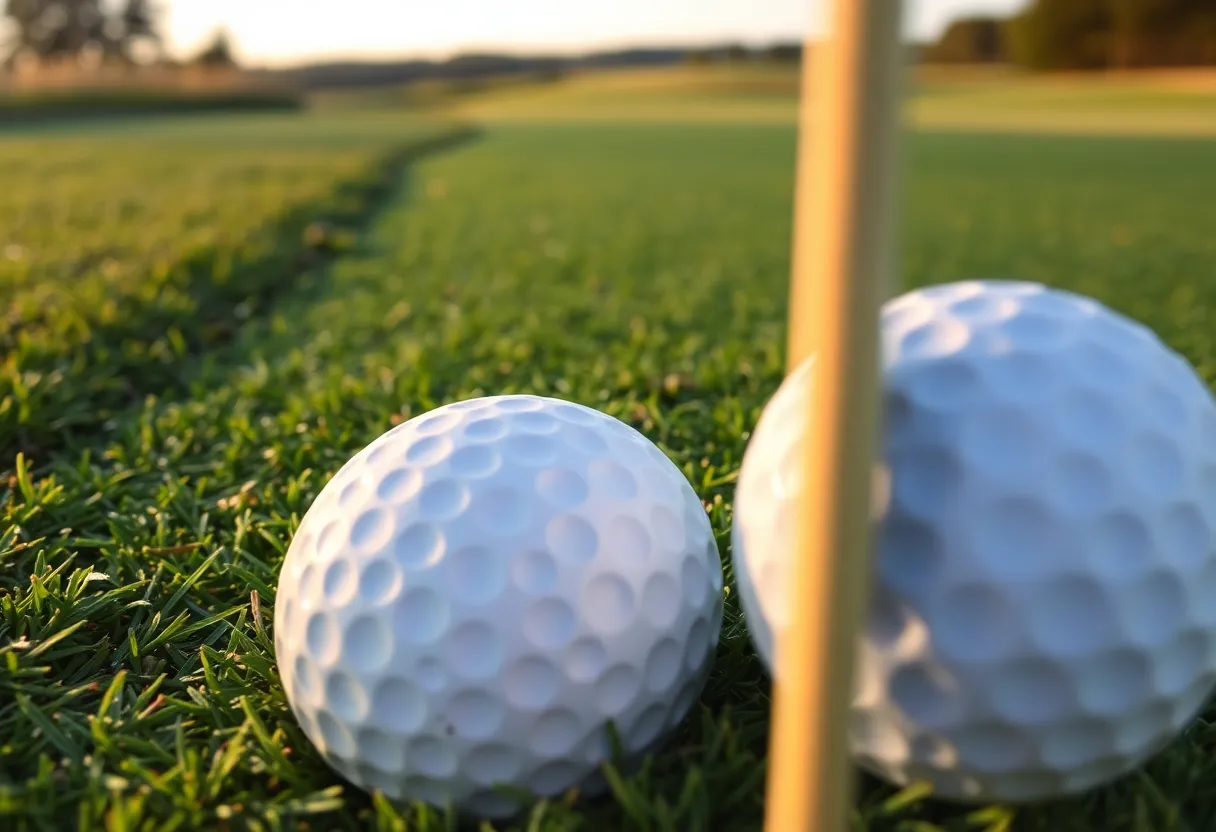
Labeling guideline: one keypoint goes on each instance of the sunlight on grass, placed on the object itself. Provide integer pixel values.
(155, 471)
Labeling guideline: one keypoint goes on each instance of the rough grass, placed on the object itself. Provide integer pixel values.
(637, 269)
(120, 256)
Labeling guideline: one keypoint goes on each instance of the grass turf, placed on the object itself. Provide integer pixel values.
(940, 99)
(123, 252)
(640, 269)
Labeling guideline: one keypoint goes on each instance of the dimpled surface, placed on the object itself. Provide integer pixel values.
(1043, 614)
(479, 592)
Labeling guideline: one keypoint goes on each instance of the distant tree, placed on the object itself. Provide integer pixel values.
(1161, 32)
(218, 54)
(737, 53)
(1062, 34)
(49, 29)
(137, 25)
(71, 29)
(784, 52)
(1092, 34)
(970, 40)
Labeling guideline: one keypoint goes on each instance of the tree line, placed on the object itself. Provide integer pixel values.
(1086, 34)
(126, 32)
(1046, 35)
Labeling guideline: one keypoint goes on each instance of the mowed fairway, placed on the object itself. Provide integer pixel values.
(637, 266)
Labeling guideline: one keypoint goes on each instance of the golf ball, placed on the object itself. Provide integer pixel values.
(480, 592)
(1043, 610)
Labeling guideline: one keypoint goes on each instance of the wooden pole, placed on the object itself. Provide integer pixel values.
(842, 257)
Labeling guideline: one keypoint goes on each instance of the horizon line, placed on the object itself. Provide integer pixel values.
(535, 51)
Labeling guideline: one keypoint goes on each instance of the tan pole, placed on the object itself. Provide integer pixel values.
(842, 259)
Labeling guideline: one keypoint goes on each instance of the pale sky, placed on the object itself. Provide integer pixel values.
(277, 32)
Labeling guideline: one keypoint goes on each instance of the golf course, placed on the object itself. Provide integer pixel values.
(205, 317)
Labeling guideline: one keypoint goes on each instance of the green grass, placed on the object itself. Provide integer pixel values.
(123, 253)
(1080, 106)
(940, 100)
(637, 268)
(763, 94)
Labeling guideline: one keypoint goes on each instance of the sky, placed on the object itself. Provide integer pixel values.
(282, 32)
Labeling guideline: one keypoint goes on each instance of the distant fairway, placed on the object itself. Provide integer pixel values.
(1157, 104)
(1162, 104)
(760, 95)
(205, 318)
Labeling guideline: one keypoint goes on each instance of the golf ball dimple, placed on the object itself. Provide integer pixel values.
(1043, 608)
(476, 595)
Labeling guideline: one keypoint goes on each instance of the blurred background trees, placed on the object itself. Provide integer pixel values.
(218, 54)
(1045, 35)
(82, 30)
(1086, 34)
(970, 40)
(1054, 35)
(1114, 34)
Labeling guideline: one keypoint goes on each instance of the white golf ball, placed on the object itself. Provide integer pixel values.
(477, 594)
(1043, 616)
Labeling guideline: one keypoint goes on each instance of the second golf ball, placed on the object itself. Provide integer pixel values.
(477, 594)
(1043, 612)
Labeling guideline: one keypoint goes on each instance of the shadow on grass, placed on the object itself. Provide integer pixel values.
(17, 116)
(64, 395)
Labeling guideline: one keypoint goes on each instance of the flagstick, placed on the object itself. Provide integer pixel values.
(842, 256)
